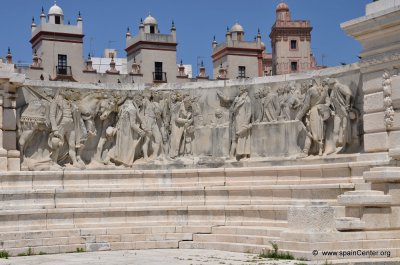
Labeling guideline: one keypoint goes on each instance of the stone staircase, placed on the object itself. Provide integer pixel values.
(233, 209)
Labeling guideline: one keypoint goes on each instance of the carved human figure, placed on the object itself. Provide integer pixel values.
(151, 114)
(340, 98)
(128, 134)
(284, 102)
(162, 99)
(271, 105)
(179, 125)
(65, 127)
(316, 106)
(241, 125)
(259, 95)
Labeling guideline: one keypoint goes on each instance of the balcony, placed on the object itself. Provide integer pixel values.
(64, 73)
(159, 77)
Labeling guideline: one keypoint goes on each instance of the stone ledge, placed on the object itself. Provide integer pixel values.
(365, 199)
(383, 175)
(349, 224)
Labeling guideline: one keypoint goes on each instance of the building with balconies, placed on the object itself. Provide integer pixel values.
(58, 47)
(237, 58)
(152, 55)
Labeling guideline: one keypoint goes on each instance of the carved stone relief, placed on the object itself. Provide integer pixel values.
(86, 129)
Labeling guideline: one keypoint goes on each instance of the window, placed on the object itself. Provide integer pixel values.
(62, 64)
(242, 72)
(158, 71)
(152, 29)
(57, 19)
(293, 66)
(293, 44)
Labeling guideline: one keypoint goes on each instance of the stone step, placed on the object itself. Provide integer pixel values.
(85, 239)
(347, 171)
(349, 224)
(28, 184)
(224, 246)
(365, 198)
(251, 231)
(186, 227)
(90, 247)
(9, 206)
(228, 238)
(62, 218)
(383, 175)
(225, 195)
(118, 230)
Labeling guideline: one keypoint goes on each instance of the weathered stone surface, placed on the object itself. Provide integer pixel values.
(365, 199)
(374, 122)
(373, 102)
(376, 142)
(312, 218)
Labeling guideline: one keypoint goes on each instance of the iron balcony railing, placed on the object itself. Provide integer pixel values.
(64, 70)
(159, 76)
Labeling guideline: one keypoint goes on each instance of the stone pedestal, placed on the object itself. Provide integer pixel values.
(309, 225)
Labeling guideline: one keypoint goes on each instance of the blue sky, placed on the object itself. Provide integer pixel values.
(105, 24)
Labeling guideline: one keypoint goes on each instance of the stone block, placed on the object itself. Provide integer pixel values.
(14, 160)
(108, 238)
(9, 101)
(372, 82)
(3, 164)
(374, 102)
(349, 224)
(133, 237)
(394, 139)
(121, 245)
(90, 247)
(374, 122)
(365, 198)
(376, 142)
(9, 140)
(286, 134)
(376, 218)
(396, 92)
(314, 217)
(9, 119)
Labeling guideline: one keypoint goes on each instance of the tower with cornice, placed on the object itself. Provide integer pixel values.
(57, 46)
(291, 43)
(152, 52)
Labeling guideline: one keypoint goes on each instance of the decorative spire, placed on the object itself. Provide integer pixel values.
(33, 25)
(9, 56)
(141, 26)
(128, 32)
(181, 62)
(173, 25)
(42, 13)
(79, 16)
(202, 64)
